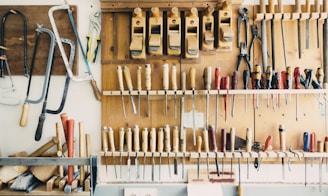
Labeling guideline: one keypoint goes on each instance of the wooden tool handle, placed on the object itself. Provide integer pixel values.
(326, 144)
(199, 144)
(160, 140)
(183, 140)
(44, 147)
(88, 150)
(282, 135)
(240, 190)
(152, 139)
(320, 146)
(70, 148)
(192, 75)
(183, 81)
(232, 139)
(121, 139)
(223, 140)
(144, 140)
(104, 139)
(111, 139)
(82, 150)
(23, 119)
(317, 6)
(268, 143)
(95, 89)
(58, 135)
(129, 140)
(64, 118)
(249, 138)
(136, 140)
(307, 6)
(175, 139)
(120, 77)
(271, 6)
(165, 76)
(325, 6)
(175, 12)
(212, 136)
(139, 72)
(127, 77)
(298, 6)
(280, 7)
(312, 142)
(205, 140)
(167, 138)
(174, 77)
(207, 76)
(148, 76)
(217, 78)
(262, 6)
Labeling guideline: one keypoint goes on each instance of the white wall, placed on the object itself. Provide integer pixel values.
(80, 104)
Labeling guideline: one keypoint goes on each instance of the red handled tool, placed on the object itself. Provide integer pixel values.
(225, 85)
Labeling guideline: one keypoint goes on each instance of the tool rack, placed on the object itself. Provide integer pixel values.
(116, 25)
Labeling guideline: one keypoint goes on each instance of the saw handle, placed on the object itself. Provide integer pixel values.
(39, 128)
(23, 119)
(95, 89)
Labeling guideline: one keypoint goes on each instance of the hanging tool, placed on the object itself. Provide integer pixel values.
(165, 83)
(183, 136)
(307, 24)
(144, 147)
(198, 150)
(152, 145)
(121, 147)
(297, 77)
(148, 85)
(121, 85)
(5, 100)
(39, 30)
(299, 28)
(249, 139)
(112, 147)
(223, 146)
(273, 56)
(2, 40)
(217, 81)
(160, 147)
(206, 149)
(167, 145)
(281, 10)
(128, 80)
(175, 148)
(288, 81)
(264, 39)
(128, 138)
(225, 85)
(317, 10)
(89, 76)
(93, 36)
(243, 12)
(104, 144)
(44, 110)
(282, 137)
(183, 147)
(306, 148)
(192, 75)
(257, 82)
(136, 145)
(174, 87)
(139, 88)
(207, 78)
(212, 141)
(245, 80)
(232, 146)
(268, 75)
(70, 149)
(233, 86)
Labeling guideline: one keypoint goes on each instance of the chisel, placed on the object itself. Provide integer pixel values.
(175, 148)
(207, 77)
(148, 86)
(307, 24)
(139, 88)
(183, 149)
(152, 145)
(182, 129)
(225, 85)
(249, 138)
(198, 149)
(167, 145)
(128, 80)
(136, 145)
(214, 148)
(245, 80)
(165, 83)
(192, 75)
(112, 147)
(268, 75)
(257, 79)
(282, 137)
(288, 81)
(104, 140)
(120, 82)
(320, 149)
(223, 146)
(317, 10)
(160, 147)
(264, 39)
(144, 147)
(129, 150)
(121, 147)
(234, 86)
(297, 77)
(174, 87)
(232, 146)
(206, 149)
(217, 81)
(273, 56)
(299, 30)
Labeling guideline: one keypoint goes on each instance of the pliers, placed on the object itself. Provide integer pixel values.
(93, 36)
(243, 54)
(243, 11)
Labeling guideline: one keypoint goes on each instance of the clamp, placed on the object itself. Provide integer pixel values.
(243, 11)
(243, 54)
(93, 36)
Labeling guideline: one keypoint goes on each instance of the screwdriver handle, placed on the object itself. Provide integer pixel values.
(298, 6)
(271, 6)
(205, 140)
(183, 81)
(212, 138)
(136, 139)
(245, 78)
(320, 146)
(249, 138)
(268, 143)
(127, 77)
(104, 138)
(319, 75)
(316, 5)
(257, 76)
(160, 140)
(175, 139)
(207, 78)
(325, 6)
(283, 79)
(326, 144)
(223, 140)
(282, 136)
(120, 77)
(280, 7)
(111, 139)
(165, 76)
(174, 77)
(307, 6)
(121, 139)
(152, 139)
(306, 141)
(167, 138)
(312, 142)
(234, 80)
(217, 78)
(279, 80)
(199, 144)
(288, 77)
(148, 77)
(225, 83)
(128, 140)
(139, 73)
(297, 77)
(268, 75)
(192, 75)
(232, 139)
(262, 6)
(144, 140)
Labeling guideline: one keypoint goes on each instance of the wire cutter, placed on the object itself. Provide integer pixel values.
(93, 36)
(243, 55)
(243, 11)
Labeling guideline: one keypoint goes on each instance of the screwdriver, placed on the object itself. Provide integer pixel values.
(136, 145)
(282, 137)
(217, 80)
(129, 149)
(144, 147)
(148, 85)
(182, 129)
(192, 75)
(257, 81)
(223, 146)
(212, 137)
(120, 82)
(288, 81)
(297, 77)
(232, 146)
(319, 75)
(175, 148)
(174, 87)
(207, 77)
(139, 88)
(306, 148)
(198, 149)
(165, 83)
(160, 146)
(167, 145)
(225, 84)
(112, 147)
(234, 86)
(152, 144)
(278, 86)
(121, 147)
(128, 81)
(206, 148)
(268, 75)
(245, 80)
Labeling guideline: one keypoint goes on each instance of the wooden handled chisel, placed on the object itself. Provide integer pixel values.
(129, 150)
(121, 147)
(207, 77)
(160, 147)
(167, 145)
(104, 133)
(139, 87)
(136, 145)
(174, 87)
(165, 83)
(144, 147)
(214, 148)
(112, 147)
(121, 86)
(175, 148)
(192, 75)
(152, 145)
(206, 149)
(128, 80)
(148, 86)
(198, 149)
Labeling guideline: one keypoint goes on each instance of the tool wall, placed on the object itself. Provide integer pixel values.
(205, 42)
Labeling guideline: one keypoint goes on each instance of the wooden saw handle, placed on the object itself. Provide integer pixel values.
(95, 89)
(23, 119)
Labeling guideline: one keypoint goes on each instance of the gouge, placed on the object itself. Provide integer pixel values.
(148, 85)
(165, 83)
(121, 86)
(152, 145)
(198, 149)
(136, 145)
(167, 145)
(129, 150)
(112, 147)
(128, 80)
(121, 147)
(104, 140)
(192, 75)
(160, 147)
(144, 147)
